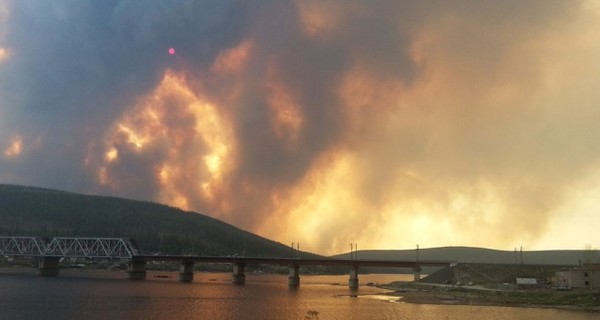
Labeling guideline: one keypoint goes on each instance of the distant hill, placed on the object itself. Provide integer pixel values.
(31, 211)
(480, 255)
(155, 227)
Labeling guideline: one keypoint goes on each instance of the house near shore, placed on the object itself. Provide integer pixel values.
(586, 276)
(526, 283)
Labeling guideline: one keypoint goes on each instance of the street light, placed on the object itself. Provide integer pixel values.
(353, 251)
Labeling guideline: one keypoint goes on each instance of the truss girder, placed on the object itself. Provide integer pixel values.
(68, 247)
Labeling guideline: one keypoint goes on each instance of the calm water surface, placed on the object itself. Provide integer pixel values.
(108, 295)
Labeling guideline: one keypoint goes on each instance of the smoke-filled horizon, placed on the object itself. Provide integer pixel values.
(382, 123)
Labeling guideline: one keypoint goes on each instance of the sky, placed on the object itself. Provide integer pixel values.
(384, 124)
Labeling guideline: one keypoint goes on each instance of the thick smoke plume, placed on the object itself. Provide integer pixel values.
(386, 123)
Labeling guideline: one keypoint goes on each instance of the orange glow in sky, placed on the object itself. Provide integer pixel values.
(15, 148)
(4, 54)
(451, 158)
(193, 140)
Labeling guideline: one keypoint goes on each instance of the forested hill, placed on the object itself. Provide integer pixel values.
(30, 211)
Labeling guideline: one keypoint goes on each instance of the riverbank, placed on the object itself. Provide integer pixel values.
(535, 298)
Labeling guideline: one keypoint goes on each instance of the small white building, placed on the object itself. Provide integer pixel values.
(588, 276)
(527, 282)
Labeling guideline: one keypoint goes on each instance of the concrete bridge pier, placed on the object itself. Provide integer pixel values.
(238, 276)
(294, 277)
(49, 266)
(416, 273)
(353, 280)
(186, 271)
(136, 270)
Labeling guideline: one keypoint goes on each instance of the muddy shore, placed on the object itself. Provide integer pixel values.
(584, 300)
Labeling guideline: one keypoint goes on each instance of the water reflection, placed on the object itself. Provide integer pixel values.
(98, 295)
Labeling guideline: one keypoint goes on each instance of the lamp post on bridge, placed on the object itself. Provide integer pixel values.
(353, 279)
(294, 274)
(296, 250)
(417, 268)
(417, 253)
(353, 251)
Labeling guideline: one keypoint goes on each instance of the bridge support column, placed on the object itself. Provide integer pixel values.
(49, 266)
(186, 271)
(353, 280)
(294, 277)
(238, 276)
(136, 270)
(417, 274)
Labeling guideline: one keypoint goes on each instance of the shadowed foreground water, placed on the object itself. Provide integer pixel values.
(108, 295)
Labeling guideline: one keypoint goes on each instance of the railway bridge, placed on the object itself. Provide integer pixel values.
(51, 250)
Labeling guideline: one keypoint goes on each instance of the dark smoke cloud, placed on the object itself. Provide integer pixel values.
(77, 66)
(440, 110)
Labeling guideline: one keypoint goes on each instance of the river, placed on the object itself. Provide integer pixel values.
(108, 295)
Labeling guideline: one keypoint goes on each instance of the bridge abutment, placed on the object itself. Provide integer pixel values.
(294, 276)
(353, 279)
(49, 266)
(136, 270)
(239, 276)
(186, 271)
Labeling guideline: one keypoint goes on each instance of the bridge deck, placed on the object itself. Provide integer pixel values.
(124, 248)
(294, 261)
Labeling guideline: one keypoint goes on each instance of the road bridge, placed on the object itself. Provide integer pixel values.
(137, 266)
(51, 250)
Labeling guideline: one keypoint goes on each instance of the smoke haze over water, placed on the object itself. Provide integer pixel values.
(386, 123)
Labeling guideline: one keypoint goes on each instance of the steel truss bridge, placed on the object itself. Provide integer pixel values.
(113, 248)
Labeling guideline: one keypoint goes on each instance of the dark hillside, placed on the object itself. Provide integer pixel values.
(29, 211)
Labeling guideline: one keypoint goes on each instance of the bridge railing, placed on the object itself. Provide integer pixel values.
(68, 247)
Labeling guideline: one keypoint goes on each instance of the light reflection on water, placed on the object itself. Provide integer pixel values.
(108, 295)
